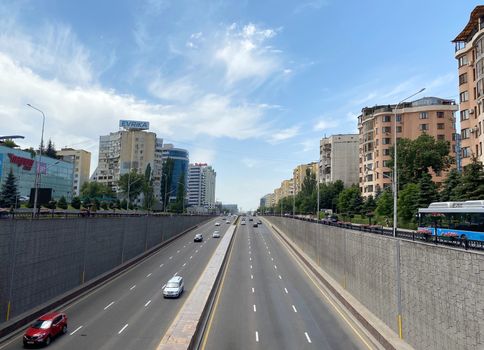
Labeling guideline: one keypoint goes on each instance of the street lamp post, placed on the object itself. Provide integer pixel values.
(37, 172)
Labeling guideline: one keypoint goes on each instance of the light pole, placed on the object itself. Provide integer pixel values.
(37, 173)
(395, 177)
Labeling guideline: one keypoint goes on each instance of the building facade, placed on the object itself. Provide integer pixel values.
(210, 177)
(180, 160)
(55, 178)
(299, 174)
(339, 159)
(469, 52)
(201, 186)
(82, 166)
(430, 115)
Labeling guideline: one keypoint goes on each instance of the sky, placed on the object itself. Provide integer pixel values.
(249, 87)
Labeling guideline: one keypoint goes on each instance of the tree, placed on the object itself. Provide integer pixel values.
(91, 190)
(133, 183)
(451, 183)
(427, 191)
(62, 203)
(166, 180)
(369, 205)
(104, 205)
(50, 151)
(472, 183)
(76, 202)
(416, 157)
(179, 204)
(384, 206)
(9, 143)
(31, 151)
(328, 194)
(123, 204)
(407, 202)
(9, 193)
(52, 204)
(148, 193)
(350, 201)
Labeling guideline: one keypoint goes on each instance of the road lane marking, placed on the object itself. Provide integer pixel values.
(256, 336)
(191, 256)
(307, 337)
(171, 257)
(177, 251)
(294, 308)
(251, 277)
(272, 259)
(285, 289)
(148, 303)
(133, 287)
(252, 289)
(275, 266)
(111, 303)
(122, 329)
(161, 265)
(75, 330)
(250, 259)
(185, 264)
(280, 277)
(196, 251)
(163, 286)
(148, 275)
(250, 266)
(255, 309)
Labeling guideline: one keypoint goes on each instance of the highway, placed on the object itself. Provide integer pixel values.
(266, 301)
(129, 312)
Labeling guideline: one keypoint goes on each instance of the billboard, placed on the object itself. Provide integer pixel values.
(44, 196)
(134, 125)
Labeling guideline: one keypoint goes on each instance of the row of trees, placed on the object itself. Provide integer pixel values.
(418, 159)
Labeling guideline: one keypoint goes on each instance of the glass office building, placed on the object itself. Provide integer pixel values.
(180, 166)
(55, 175)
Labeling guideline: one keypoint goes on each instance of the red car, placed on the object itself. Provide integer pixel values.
(45, 329)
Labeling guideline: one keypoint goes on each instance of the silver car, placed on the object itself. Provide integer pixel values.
(216, 234)
(174, 287)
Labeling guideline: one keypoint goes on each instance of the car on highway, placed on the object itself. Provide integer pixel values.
(198, 237)
(251, 219)
(217, 223)
(242, 222)
(216, 234)
(174, 287)
(259, 222)
(45, 329)
(227, 222)
(255, 224)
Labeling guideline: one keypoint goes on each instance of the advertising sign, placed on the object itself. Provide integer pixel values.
(134, 125)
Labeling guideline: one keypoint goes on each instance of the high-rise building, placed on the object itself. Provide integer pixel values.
(130, 149)
(299, 174)
(82, 166)
(201, 186)
(469, 52)
(339, 159)
(430, 115)
(179, 172)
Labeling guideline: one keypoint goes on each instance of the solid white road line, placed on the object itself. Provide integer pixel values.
(256, 336)
(122, 329)
(294, 308)
(148, 303)
(75, 330)
(107, 306)
(307, 337)
(255, 309)
(133, 287)
(285, 289)
(148, 275)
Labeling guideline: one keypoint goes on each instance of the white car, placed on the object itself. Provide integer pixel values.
(217, 223)
(174, 287)
(216, 234)
(242, 222)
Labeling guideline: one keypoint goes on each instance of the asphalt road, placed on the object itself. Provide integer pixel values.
(129, 312)
(267, 302)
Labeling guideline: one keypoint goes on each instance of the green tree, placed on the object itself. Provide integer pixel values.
(91, 190)
(427, 191)
(104, 205)
(407, 202)
(180, 194)
(166, 180)
(62, 203)
(52, 204)
(472, 184)
(148, 193)
(76, 202)
(9, 193)
(369, 205)
(451, 183)
(9, 143)
(350, 201)
(123, 204)
(328, 194)
(51, 151)
(132, 182)
(416, 157)
(384, 204)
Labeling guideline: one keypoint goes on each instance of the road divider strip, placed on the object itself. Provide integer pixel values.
(186, 330)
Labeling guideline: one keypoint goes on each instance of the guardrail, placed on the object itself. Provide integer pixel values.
(455, 242)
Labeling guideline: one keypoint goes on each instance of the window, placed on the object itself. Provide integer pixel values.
(386, 151)
(462, 78)
(399, 129)
(386, 141)
(440, 126)
(387, 174)
(440, 114)
(386, 118)
(464, 96)
(385, 163)
(462, 61)
(466, 152)
(386, 129)
(464, 115)
(398, 118)
(466, 133)
(423, 115)
(423, 127)
(440, 137)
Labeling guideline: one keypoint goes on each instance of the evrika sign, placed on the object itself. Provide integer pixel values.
(134, 125)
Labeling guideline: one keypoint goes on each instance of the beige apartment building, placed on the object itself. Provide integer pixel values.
(339, 159)
(82, 166)
(469, 52)
(131, 149)
(299, 174)
(430, 115)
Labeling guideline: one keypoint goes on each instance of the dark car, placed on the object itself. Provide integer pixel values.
(45, 329)
(198, 237)
(255, 224)
(251, 219)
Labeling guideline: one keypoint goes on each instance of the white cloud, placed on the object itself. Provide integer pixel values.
(310, 5)
(284, 134)
(178, 90)
(244, 54)
(325, 124)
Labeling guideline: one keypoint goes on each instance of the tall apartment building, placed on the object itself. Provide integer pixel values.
(82, 166)
(469, 52)
(131, 149)
(180, 168)
(299, 174)
(267, 201)
(201, 186)
(339, 159)
(431, 115)
(285, 190)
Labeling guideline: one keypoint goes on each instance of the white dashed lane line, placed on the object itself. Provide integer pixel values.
(133, 287)
(252, 290)
(148, 275)
(171, 257)
(280, 277)
(307, 337)
(107, 306)
(256, 336)
(122, 329)
(294, 308)
(147, 303)
(285, 290)
(255, 309)
(75, 330)
(161, 265)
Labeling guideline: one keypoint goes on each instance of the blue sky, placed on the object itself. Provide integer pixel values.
(247, 86)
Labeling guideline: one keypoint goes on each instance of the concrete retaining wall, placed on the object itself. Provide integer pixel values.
(442, 288)
(41, 259)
